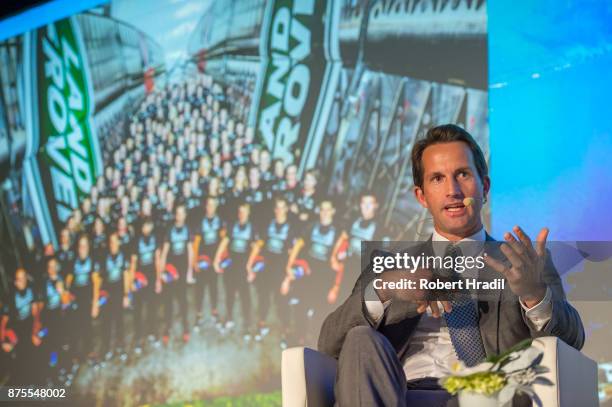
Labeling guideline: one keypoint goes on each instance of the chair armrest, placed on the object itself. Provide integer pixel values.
(308, 378)
(574, 375)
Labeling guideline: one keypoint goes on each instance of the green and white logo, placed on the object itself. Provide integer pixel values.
(292, 78)
(68, 146)
(300, 70)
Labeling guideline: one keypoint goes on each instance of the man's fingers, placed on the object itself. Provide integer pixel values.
(434, 306)
(422, 306)
(516, 246)
(496, 265)
(435, 309)
(526, 240)
(511, 255)
(541, 242)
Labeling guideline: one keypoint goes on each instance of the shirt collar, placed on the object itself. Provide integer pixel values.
(468, 250)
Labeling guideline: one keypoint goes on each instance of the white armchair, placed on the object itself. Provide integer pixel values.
(308, 377)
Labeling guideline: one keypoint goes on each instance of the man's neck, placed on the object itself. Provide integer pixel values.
(470, 234)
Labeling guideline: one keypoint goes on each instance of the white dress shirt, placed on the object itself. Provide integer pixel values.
(434, 354)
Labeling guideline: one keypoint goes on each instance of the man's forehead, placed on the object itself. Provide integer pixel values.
(447, 156)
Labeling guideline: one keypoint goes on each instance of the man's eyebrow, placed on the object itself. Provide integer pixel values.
(467, 168)
(438, 173)
(433, 174)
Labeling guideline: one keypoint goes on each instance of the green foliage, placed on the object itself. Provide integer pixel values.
(249, 400)
(482, 382)
(504, 357)
(517, 368)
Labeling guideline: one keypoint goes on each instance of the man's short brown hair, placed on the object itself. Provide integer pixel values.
(446, 133)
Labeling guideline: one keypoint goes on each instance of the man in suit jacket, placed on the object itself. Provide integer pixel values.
(389, 342)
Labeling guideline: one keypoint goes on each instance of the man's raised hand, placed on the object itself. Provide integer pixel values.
(524, 276)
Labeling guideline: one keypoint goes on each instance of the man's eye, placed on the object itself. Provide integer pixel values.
(464, 174)
(436, 178)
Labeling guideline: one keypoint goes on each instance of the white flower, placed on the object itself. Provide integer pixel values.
(522, 359)
(524, 377)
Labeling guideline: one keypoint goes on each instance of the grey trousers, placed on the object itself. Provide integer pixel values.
(371, 375)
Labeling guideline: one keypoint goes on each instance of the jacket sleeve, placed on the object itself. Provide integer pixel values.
(565, 322)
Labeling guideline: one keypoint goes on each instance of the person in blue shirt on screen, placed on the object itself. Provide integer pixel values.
(177, 260)
(114, 273)
(257, 195)
(310, 290)
(347, 251)
(52, 314)
(21, 313)
(212, 230)
(166, 211)
(265, 170)
(237, 245)
(290, 187)
(147, 248)
(65, 254)
(267, 262)
(99, 239)
(306, 201)
(81, 282)
(278, 176)
(88, 214)
(235, 194)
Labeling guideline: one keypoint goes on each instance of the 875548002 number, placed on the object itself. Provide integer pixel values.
(32, 393)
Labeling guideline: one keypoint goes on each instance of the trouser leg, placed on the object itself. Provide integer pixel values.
(168, 294)
(369, 371)
(154, 312)
(143, 307)
(22, 367)
(113, 319)
(231, 288)
(182, 299)
(200, 286)
(263, 285)
(150, 307)
(139, 312)
(117, 316)
(245, 299)
(106, 327)
(313, 300)
(83, 320)
(52, 344)
(52, 320)
(211, 285)
(281, 302)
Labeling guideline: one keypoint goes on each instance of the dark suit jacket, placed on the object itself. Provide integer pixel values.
(502, 320)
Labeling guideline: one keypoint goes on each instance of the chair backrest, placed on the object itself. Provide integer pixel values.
(308, 378)
(574, 375)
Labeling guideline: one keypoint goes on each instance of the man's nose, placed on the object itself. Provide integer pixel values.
(453, 187)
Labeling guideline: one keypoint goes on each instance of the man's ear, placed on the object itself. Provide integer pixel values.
(420, 196)
(486, 186)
